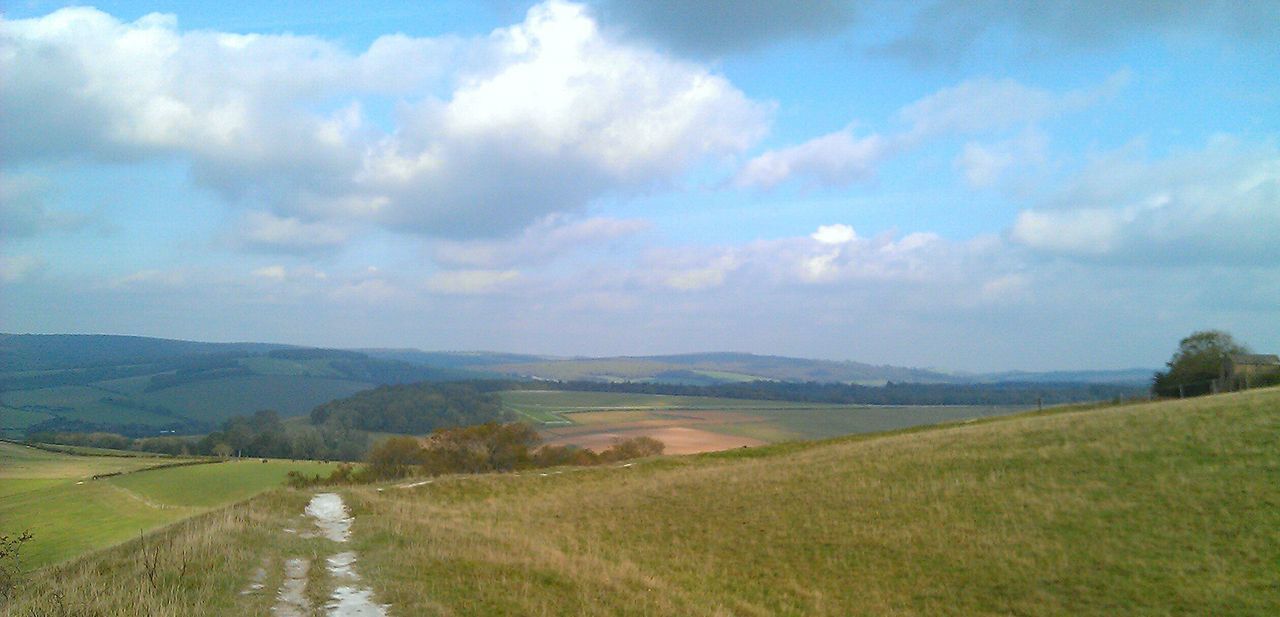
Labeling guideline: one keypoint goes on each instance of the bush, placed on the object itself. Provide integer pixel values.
(395, 457)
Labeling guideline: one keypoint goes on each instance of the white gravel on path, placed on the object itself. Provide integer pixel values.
(349, 598)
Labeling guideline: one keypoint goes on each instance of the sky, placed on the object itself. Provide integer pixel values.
(970, 185)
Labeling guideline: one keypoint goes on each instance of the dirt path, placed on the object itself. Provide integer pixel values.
(349, 597)
(291, 601)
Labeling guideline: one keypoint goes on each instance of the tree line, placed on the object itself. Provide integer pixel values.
(482, 448)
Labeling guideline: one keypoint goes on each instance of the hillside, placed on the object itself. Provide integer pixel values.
(708, 368)
(725, 368)
(1162, 508)
(139, 386)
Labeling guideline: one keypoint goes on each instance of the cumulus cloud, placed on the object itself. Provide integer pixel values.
(946, 29)
(543, 241)
(833, 255)
(490, 134)
(975, 106)
(717, 27)
(836, 159)
(1220, 204)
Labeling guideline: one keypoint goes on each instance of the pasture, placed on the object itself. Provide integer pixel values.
(1145, 509)
(691, 424)
(53, 496)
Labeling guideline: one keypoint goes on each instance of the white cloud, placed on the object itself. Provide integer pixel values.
(976, 106)
(834, 234)
(1217, 205)
(264, 230)
(551, 237)
(152, 278)
(985, 104)
(833, 255)
(271, 273)
(704, 276)
(471, 282)
(983, 164)
(491, 134)
(835, 159)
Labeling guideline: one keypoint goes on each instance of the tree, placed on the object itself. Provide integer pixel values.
(1198, 361)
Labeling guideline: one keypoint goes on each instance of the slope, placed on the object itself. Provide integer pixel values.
(1163, 508)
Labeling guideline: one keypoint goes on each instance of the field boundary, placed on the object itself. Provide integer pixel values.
(155, 467)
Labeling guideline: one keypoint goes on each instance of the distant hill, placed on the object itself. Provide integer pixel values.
(722, 367)
(35, 352)
(452, 359)
(729, 367)
(142, 386)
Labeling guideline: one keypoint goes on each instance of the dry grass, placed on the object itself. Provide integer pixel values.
(1158, 509)
(195, 568)
(1148, 509)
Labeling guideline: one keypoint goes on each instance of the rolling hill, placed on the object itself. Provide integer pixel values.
(1144, 509)
(141, 386)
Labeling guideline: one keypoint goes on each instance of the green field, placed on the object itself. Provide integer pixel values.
(768, 421)
(51, 495)
(1150, 509)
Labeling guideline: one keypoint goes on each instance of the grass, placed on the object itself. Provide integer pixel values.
(207, 486)
(81, 403)
(22, 462)
(1146, 509)
(50, 494)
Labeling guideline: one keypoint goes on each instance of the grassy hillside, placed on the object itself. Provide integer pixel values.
(139, 386)
(1153, 509)
(51, 495)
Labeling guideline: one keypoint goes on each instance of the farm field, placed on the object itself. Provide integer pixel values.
(1144, 509)
(51, 495)
(690, 424)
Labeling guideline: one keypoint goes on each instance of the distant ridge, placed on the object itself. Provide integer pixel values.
(34, 352)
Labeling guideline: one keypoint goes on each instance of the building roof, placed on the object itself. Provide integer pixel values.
(1264, 359)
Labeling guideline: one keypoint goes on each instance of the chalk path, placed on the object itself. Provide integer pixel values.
(349, 598)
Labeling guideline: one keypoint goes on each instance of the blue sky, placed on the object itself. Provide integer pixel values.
(961, 184)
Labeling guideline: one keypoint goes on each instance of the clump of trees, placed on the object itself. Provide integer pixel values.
(483, 448)
(1196, 364)
(412, 409)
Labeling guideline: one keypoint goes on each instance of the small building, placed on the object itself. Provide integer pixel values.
(1248, 370)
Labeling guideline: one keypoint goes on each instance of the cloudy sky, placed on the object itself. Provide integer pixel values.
(962, 184)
